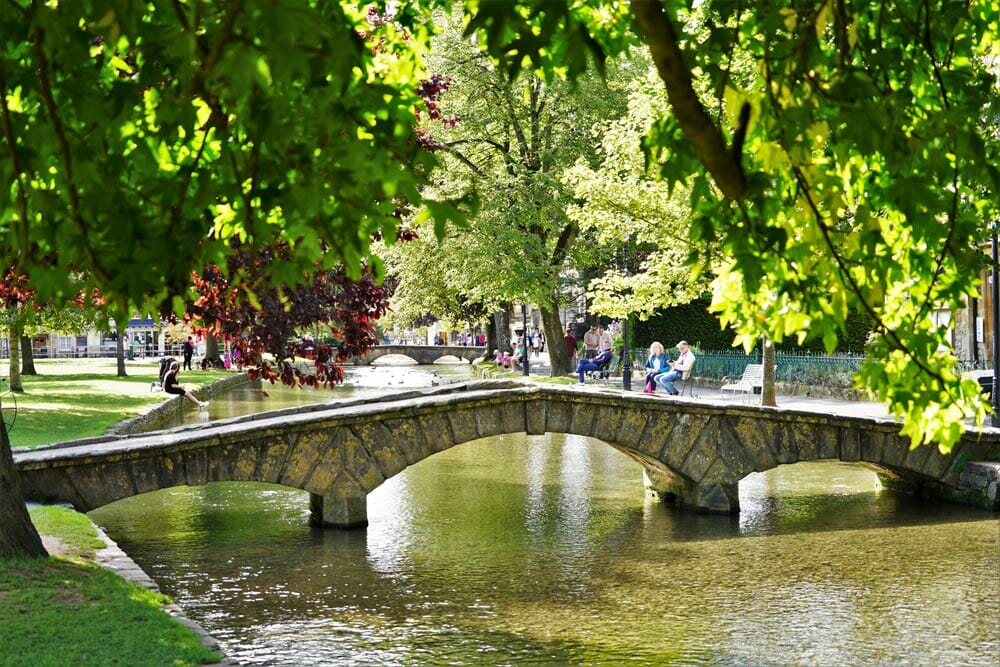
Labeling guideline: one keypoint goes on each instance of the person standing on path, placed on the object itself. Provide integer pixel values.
(188, 350)
(570, 341)
(591, 343)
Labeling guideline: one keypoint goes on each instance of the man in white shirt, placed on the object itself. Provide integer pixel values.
(678, 367)
(605, 337)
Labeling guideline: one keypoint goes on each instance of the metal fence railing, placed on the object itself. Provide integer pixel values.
(820, 369)
(830, 370)
(94, 351)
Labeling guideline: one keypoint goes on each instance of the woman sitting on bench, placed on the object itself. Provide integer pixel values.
(677, 368)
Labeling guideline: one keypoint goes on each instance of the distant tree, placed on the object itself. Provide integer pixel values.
(16, 298)
(507, 138)
(621, 203)
(69, 319)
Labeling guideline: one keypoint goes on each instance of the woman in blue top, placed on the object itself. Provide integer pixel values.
(656, 364)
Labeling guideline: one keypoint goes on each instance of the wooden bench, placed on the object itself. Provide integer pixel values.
(685, 382)
(753, 377)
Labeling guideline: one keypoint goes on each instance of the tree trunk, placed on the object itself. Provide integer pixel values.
(767, 392)
(14, 346)
(120, 353)
(212, 349)
(18, 536)
(501, 320)
(559, 363)
(491, 336)
(27, 357)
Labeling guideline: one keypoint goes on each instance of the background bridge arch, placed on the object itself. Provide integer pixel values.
(422, 354)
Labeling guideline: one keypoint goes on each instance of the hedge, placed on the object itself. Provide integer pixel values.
(692, 322)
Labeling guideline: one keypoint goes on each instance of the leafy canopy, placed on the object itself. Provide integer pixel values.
(622, 205)
(853, 164)
(137, 139)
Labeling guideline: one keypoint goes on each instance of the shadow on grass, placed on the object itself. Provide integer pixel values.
(58, 612)
(82, 404)
(89, 377)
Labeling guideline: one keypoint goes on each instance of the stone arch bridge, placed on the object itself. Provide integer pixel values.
(422, 354)
(694, 452)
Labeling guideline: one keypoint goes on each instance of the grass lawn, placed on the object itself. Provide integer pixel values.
(81, 398)
(68, 611)
(65, 609)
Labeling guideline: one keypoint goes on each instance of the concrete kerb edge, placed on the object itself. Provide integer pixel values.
(112, 558)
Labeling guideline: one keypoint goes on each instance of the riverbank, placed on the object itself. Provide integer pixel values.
(71, 399)
(75, 607)
(588, 388)
(89, 603)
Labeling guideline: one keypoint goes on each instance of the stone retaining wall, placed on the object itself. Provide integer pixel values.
(162, 413)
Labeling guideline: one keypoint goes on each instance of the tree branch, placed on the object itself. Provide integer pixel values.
(658, 33)
(460, 156)
(563, 244)
(45, 88)
(845, 273)
(16, 168)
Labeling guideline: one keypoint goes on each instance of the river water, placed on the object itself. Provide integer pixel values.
(546, 550)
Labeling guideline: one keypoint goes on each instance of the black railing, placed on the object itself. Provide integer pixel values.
(827, 370)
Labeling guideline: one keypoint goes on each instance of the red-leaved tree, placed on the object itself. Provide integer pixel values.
(265, 325)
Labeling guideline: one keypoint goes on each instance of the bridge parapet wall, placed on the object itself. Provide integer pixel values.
(698, 451)
(694, 451)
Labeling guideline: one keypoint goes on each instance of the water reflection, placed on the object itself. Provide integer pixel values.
(546, 550)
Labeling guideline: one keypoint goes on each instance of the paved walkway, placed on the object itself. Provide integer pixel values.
(709, 393)
(539, 367)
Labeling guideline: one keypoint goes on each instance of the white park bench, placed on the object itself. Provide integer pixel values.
(753, 377)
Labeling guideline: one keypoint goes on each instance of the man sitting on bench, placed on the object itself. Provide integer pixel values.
(677, 368)
(598, 363)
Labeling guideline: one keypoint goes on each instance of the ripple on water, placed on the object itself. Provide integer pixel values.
(545, 550)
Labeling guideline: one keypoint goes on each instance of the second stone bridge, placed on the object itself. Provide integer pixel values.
(694, 452)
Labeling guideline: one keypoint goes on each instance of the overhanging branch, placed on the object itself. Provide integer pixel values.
(658, 33)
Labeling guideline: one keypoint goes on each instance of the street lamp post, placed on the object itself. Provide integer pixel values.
(995, 394)
(626, 356)
(524, 338)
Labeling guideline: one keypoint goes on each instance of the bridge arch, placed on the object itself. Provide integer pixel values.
(694, 452)
(422, 354)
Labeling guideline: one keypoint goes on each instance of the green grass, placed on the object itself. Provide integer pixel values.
(74, 530)
(67, 610)
(60, 612)
(81, 398)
